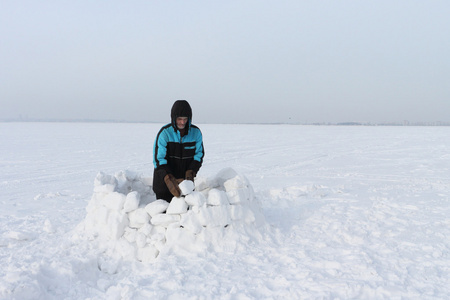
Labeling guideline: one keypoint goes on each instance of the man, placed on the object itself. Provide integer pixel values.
(178, 152)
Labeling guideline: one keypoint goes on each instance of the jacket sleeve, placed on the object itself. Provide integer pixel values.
(199, 152)
(159, 153)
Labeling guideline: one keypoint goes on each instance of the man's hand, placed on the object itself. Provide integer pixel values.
(189, 175)
(172, 185)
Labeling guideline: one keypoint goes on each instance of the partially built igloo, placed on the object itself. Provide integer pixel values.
(219, 213)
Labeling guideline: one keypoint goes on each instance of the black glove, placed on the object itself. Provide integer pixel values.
(172, 185)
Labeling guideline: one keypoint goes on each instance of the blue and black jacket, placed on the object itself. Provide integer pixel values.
(176, 152)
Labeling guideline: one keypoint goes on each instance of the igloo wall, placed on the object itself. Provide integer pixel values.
(219, 213)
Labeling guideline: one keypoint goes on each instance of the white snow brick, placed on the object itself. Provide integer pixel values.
(164, 219)
(114, 201)
(116, 223)
(204, 216)
(146, 229)
(237, 182)
(195, 208)
(131, 202)
(186, 187)
(190, 221)
(158, 237)
(90, 221)
(138, 218)
(147, 254)
(177, 206)
(205, 193)
(141, 240)
(174, 225)
(214, 216)
(195, 199)
(130, 175)
(158, 230)
(102, 179)
(202, 183)
(102, 215)
(217, 197)
(156, 207)
(160, 245)
(105, 188)
(130, 234)
(238, 195)
(123, 182)
(220, 215)
(95, 202)
(236, 212)
(126, 175)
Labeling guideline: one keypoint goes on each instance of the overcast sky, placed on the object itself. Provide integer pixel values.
(234, 61)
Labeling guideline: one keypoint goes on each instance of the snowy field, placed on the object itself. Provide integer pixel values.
(348, 213)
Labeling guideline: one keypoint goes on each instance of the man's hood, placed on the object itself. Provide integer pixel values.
(181, 108)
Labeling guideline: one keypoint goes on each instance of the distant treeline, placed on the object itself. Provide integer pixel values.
(404, 123)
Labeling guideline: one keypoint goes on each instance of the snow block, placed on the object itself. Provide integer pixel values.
(138, 218)
(116, 224)
(177, 206)
(105, 188)
(237, 182)
(157, 207)
(190, 221)
(202, 183)
(114, 201)
(238, 195)
(186, 187)
(158, 231)
(165, 220)
(214, 216)
(131, 202)
(146, 229)
(236, 212)
(141, 240)
(102, 179)
(102, 215)
(130, 234)
(195, 199)
(217, 197)
(123, 182)
(96, 201)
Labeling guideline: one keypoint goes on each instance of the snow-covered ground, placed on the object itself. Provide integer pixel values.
(349, 213)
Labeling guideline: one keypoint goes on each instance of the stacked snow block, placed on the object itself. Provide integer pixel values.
(217, 214)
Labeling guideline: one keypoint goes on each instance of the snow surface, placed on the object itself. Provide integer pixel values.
(345, 213)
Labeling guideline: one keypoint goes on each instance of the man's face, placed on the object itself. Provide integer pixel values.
(181, 122)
